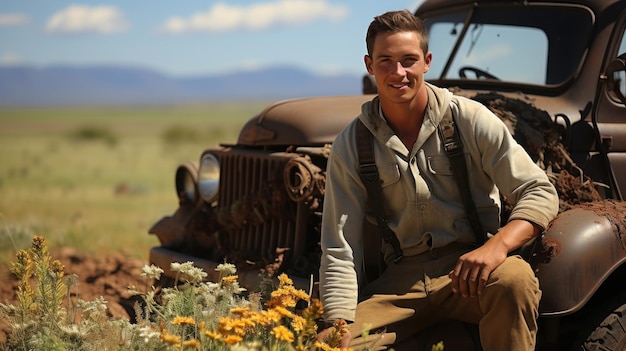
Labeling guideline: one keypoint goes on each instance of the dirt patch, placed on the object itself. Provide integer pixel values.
(98, 275)
(542, 139)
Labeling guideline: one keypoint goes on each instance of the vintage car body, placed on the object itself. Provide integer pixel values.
(258, 202)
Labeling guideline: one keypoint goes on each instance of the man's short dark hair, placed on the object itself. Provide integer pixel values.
(396, 21)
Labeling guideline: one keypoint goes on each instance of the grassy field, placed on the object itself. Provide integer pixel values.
(97, 178)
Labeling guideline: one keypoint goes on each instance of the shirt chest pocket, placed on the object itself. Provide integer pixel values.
(439, 165)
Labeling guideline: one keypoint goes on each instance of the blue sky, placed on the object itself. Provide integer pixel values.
(190, 37)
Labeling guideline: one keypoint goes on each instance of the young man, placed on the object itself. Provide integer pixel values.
(444, 273)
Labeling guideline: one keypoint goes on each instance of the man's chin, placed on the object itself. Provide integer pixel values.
(398, 96)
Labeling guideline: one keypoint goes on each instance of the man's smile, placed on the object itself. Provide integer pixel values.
(400, 85)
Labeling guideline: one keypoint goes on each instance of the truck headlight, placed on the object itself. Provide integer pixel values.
(209, 177)
(186, 181)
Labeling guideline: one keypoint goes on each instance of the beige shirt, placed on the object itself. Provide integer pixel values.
(421, 197)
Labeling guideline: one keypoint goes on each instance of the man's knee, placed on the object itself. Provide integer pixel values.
(515, 278)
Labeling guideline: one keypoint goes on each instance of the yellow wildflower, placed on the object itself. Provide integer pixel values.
(438, 346)
(282, 333)
(170, 339)
(23, 268)
(191, 344)
(230, 279)
(183, 320)
(39, 247)
(212, 335)
(325, 347)
(287, 296)
(57, 267)
(315, 309)
(283, 279)
(340, 328)
(298, 323)
(283, 311)
(271, 316)
(232, 339)
(322, 346)
(229, 325)
(242, 311)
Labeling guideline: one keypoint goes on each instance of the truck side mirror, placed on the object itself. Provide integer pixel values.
(616, 78)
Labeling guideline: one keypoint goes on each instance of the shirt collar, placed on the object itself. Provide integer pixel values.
(380, 113)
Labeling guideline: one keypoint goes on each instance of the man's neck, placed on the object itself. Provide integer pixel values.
(405, 119)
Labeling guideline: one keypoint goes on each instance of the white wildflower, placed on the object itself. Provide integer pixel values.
(98, 305)
(226, 269)
(147, 333)
(188, 273)
(152, 272)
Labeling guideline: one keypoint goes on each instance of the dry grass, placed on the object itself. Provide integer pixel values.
(97, 178)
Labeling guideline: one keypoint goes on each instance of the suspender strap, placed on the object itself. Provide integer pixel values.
(454, 149)
(370, 177)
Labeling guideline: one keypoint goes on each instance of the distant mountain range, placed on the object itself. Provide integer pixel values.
(114, 85)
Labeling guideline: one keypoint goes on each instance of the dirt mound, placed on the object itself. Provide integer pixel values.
(98, 275)
(542, 138)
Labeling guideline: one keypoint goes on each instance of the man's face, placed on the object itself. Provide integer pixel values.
(398, 65)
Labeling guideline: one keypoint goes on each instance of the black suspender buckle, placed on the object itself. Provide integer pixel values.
(369, 172)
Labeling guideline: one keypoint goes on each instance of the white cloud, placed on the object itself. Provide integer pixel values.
(95, 19)
(12, 19)
(224, 17)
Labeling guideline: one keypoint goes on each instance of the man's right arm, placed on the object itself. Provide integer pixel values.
(341, 239)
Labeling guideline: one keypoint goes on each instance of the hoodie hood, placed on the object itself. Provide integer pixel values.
(438, 101)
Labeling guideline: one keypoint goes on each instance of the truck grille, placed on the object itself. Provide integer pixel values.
(254, 208)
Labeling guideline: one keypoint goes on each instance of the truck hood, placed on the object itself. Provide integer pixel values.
(305, 121)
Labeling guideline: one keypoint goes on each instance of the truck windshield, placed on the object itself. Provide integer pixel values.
(536, 45)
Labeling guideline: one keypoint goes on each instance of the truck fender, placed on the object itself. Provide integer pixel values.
(578, 252)
(170, 229)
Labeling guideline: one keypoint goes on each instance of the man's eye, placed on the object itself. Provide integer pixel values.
(408, 62)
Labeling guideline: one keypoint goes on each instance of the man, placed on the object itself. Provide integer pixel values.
(443, 273)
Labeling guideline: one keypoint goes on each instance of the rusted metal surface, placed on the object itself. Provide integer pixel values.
(579, 250)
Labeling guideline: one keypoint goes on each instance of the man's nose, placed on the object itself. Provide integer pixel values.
(399, 69)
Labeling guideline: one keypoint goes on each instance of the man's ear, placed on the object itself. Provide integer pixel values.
(427, 60)
(368, 64)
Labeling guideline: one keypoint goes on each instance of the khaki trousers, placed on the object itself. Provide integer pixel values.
(417, 293)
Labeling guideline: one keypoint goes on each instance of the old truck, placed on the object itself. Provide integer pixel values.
(554, 70)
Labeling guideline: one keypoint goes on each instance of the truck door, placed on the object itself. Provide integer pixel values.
(610, 113)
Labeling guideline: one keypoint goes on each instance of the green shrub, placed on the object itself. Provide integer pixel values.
(180, 134)
(94, 133)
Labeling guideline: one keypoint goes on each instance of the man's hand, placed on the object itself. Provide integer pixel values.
(337, 335)
(473, 269)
